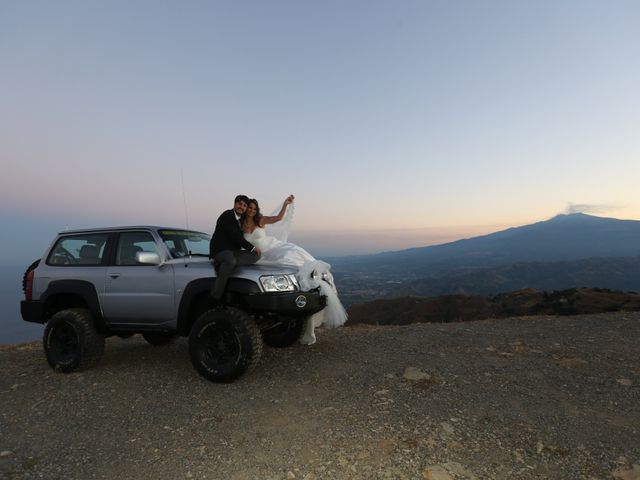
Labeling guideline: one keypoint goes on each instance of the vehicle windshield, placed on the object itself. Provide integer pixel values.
(182, 243)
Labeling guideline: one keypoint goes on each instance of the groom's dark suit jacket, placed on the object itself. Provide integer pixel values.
(227, 235)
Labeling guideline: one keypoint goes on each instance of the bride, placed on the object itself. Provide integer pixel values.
(276, 250)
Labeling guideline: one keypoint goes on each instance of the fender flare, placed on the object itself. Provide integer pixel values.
(202, 286)
(83, 289)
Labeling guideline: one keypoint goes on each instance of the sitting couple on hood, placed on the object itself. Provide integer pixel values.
(241, 237)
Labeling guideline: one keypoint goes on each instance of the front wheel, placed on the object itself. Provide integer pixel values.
(71, 341)
(224, 343)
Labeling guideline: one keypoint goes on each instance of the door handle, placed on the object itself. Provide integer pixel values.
(114, 275)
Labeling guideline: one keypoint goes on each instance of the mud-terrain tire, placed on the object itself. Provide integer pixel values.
(159, 339)
(284, 334)
(71, 341)
(29, 268)
(224, 343)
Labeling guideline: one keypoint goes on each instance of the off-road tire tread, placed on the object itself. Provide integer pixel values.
(92, 343)
(246, 325)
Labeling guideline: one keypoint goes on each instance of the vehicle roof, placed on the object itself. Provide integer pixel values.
(131, 227)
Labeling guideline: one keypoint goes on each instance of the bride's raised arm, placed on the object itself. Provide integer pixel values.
(264, 220)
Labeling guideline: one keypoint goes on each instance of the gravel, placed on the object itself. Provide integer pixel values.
(519, 398)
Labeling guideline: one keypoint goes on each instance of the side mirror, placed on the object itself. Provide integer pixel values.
(148, 258)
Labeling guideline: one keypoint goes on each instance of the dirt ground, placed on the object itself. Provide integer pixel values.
(517, 398)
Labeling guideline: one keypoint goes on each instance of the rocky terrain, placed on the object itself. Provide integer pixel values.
(538, 397)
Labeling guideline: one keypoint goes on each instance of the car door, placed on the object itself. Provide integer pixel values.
(136, 295)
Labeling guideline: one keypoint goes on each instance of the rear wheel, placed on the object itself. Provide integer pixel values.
(71, 341)
(285, 333)
(159, 339)
(224, 343)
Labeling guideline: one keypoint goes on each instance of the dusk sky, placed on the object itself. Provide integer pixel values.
(395, 123)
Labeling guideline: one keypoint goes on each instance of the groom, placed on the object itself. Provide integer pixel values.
(226, 245)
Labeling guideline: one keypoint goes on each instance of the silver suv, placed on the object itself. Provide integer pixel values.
(91, 284)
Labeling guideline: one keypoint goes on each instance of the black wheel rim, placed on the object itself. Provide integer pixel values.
(64, 344)
(219, 347)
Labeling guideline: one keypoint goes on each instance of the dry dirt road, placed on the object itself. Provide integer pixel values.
(523, 398)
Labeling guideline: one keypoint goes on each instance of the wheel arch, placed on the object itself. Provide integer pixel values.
(64, 294)
(196, 300)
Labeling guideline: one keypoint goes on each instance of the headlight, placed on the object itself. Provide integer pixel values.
(279, 283)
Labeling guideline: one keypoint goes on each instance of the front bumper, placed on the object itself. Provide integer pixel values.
(292, 304)
(31, 311)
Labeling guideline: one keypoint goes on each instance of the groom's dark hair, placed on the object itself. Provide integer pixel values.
(241, 198)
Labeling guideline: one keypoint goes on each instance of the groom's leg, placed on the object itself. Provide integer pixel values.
(227, 261)
(246, 258)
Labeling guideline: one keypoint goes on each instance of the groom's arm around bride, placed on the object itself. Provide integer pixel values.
(227, 244)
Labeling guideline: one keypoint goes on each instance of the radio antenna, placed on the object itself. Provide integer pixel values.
(184, 199)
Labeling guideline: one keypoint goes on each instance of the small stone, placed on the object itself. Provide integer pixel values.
(291, 476)
(5, 453)
(15, 386)
(459, 470)
(435, 472)
(567, 362)
(414, 374)
(539, 448)
(625, 381)
(240, 476)
(627, 474)
(381, 392)
(447, 428)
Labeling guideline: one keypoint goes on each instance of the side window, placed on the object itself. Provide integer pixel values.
(182, 243)
(84, 249)
(131, 243)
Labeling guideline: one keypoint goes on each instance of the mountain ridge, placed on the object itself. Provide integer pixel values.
(563, 237)
(566, 251)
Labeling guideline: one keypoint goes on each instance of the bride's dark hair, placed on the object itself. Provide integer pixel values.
(258, 215)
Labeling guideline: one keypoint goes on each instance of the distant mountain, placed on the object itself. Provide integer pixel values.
(562, 238)
(566, 251)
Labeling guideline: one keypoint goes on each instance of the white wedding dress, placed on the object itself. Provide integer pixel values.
(312, 274)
